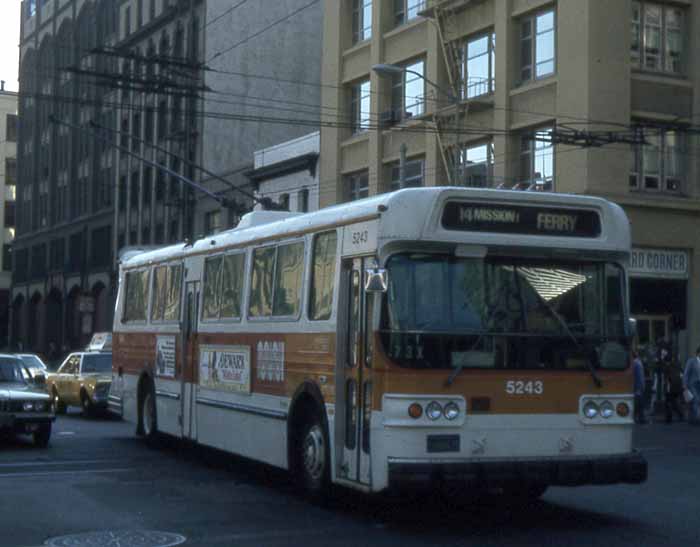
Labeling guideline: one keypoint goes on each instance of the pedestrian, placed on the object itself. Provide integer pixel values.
(673, 384)
(638, 371)
(691, 385)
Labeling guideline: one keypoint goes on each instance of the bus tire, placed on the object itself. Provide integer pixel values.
(312, 456)
(147, 414)
(59, 406)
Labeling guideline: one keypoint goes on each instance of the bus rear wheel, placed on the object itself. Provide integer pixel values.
(149, 422)
(313, 459)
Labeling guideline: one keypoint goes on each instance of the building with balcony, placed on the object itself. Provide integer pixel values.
(486, 93)
(8, 185)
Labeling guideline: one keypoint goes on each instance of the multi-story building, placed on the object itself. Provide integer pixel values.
(491, 93)
(8, 185)
(112, 91)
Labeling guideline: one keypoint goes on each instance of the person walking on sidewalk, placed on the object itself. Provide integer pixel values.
(691, 382)
(673, 386)
(638, 371)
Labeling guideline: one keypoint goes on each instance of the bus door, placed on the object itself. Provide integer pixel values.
(190, 361)
(356, 391)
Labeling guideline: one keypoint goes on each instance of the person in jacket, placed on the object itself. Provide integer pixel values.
(673, 388)
(638, 372)
(691, 382)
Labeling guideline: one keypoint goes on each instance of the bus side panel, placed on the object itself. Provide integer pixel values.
(254, 424)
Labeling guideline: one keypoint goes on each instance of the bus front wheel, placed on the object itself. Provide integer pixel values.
(313, 458)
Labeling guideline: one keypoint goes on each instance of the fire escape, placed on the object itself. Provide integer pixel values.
(465, 96)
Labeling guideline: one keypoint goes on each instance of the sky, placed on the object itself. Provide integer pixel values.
(9, 40)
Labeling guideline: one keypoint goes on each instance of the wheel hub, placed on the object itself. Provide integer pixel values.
(314, 452)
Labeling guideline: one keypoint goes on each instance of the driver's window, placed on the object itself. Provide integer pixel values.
(71, 366)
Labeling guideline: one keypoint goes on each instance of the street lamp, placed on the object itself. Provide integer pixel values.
(394, 70)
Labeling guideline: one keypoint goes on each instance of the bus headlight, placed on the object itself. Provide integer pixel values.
(433, 411)
(606, 410)
(590, 410)
(451, 411)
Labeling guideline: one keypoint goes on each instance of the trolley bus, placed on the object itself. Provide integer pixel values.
(479, 338)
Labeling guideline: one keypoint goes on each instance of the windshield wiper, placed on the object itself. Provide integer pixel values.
(589, 362)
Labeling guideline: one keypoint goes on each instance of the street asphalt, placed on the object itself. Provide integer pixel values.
(96, 476)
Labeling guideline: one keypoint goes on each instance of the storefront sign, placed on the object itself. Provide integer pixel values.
(659, 263)
(165, 356)
(225, 368)
(519, 219)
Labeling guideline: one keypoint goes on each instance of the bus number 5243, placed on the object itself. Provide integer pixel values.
(518, 387)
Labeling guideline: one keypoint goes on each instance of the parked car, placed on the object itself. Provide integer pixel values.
(24, 408)
(83, 379)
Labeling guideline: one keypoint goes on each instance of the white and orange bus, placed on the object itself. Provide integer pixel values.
(460, 336)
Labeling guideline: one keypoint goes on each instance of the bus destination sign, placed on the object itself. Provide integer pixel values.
(520, 219)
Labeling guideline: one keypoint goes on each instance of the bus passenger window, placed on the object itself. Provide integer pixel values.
(261, 282)
(136, 299)
(212, 278)
(171, 310)
(165, 299)
(288, 276)
(323, 276)
(232, 285)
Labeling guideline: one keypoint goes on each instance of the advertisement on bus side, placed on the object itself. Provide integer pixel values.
(225, 368)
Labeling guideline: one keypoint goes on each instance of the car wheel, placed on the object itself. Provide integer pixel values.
(313, 459)
(42, 435)
(86, 404)
(59, 405)
(149, 421)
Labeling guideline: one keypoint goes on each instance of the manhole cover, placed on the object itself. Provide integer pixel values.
(118, 538)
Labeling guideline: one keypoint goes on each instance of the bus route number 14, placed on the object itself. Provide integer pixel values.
(519, 387)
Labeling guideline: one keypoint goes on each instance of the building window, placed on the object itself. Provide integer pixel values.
(475, 166)
(360, 106)
(537, 43)
(31, 8)
(408, 92)
(657, 37)
(7, 257)
(361, 20)
(357, 185)
(479, 67)
(10, 172)
(405, 10)
(127, 21)
(152, 10)
(658, 165)
(413, 175)
(537, 160)
(303, 201)
(11, 128)
(212, 222)
(284, 202)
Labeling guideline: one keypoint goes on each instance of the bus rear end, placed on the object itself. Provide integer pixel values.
(502, 352)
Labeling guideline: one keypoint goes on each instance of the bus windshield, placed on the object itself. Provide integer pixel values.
(448, 312)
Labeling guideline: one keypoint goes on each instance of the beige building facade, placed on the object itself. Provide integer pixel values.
(481, 85)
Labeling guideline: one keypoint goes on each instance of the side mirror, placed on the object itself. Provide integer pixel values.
(376, 280)
(632, 327)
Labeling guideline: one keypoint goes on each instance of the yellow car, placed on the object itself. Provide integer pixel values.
(83, 379)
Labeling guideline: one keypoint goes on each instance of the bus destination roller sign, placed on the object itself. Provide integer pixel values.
(518, 219)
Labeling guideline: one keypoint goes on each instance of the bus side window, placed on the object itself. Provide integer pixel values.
(322, 276)
(165, 297)
(136, 299)
(212, 288)
(232, 285)
(275, 286)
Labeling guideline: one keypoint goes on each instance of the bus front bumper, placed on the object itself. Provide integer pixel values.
(627, 468)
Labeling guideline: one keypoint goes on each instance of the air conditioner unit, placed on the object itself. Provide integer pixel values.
(388, 118)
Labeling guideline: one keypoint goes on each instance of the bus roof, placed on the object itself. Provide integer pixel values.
(408, 214)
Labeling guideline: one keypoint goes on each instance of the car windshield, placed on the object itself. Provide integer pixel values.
(32, 361)
(11, 370)
(98, 362)
(503, 313)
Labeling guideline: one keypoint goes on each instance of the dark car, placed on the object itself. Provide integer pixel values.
(24, 408)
